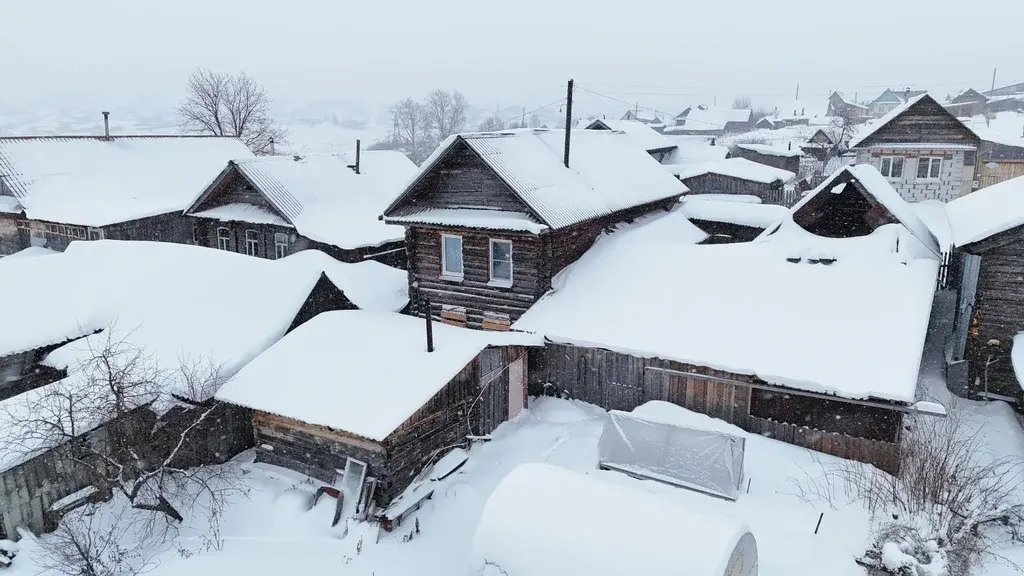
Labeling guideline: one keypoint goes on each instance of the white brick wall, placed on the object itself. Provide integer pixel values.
(948, 186)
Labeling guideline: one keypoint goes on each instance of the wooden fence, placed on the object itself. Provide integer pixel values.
(618, 381)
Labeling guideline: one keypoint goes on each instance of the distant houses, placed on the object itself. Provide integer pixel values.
(922, 149)
(273, 206)
(889, 100)
(740, 176)
(712, 121)
(54, 190)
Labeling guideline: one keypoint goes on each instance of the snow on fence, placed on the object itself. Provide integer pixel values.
(884, 455)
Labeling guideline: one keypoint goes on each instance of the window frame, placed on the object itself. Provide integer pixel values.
(444, 258)
(253, 242)
(892, 163)
(225, 242)
(500, 282)
(931, 160)
(280, 248)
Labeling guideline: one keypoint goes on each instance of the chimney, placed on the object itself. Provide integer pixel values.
(357, 155)
(430, 326)
(906, 94)
(106, 125)
(790, 145)
(272, 146)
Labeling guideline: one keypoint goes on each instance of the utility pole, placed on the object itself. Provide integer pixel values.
(568, 120)
(993, 80)
(797, 92)
(522, 121)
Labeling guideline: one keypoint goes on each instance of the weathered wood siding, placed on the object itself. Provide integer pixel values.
(12, 237)
(998, 317)
(883, 455)
(771, 193)
(473, 292)
(925, 122)
(324, 297)
(172, 228)
(791, 163)
(617, 381)
(726, 232)
(462, 180)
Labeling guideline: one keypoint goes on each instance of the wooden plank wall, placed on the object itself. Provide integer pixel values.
(998, 316)
(27, 491)
(172, 227)
(617, 381)
(926, 121)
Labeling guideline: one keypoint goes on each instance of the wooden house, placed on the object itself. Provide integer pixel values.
(968, 103)
(731, 218)
(58, 189)
(636, 116)
(493, 217)
(713, 121)
(155, 298)
(839, 105)
(889, 100)
(726, 346)
(988, 231)
(367, 432)
(781, 158)
(922, 149)
(273, 206)
(644, 135)
(1005, 98)
(740, 176)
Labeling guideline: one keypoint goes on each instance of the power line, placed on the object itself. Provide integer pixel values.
(637, 106)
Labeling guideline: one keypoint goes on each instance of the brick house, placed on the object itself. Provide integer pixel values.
(922, 149)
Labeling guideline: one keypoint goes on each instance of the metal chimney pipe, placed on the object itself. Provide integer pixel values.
(357, 155)
(430, 326)
(106, 125)
(271, 146)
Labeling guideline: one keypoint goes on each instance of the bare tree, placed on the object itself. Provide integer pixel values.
(839, 131)
(743, 103)
(446, 113)
(413, 129)
(490, 124)
(237, 105)
(92, 543)
(945, 504)
(100, 427)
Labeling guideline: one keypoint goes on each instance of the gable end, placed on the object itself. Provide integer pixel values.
(232, 187)
(926, 121)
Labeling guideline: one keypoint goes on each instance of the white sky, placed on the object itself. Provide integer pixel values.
(117, 52)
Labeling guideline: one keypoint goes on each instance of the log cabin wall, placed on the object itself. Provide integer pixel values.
(172, 227)
(998, 315)
(790, 163)
(13, 237)
(770, 193)
(925, 122)
(616, 381)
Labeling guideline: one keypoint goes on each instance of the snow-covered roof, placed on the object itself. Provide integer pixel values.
(642, 134)
(771, 150)
(935, 216)
(1006, 128)
(876, 185)
(322, 197)
(472, 218)
(241, 212)
(175, 298)
(693, 150)
(543, 520)
(10, 205)
(987, 212)
(756, 215)
(95, 182)
(364, 373)
(713, 119)
(739, 168)
(607, 172)
(30, 252)
(877, 125)
(804, 325)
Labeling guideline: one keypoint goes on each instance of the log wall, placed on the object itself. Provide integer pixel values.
(998, 317)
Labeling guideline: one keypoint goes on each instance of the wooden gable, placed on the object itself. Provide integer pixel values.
(460, 179)
(232, 187)
(969, 95)
(324, 297)
(925, 121)
(847, 214)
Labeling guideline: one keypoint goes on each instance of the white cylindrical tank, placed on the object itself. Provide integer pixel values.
(543, 520)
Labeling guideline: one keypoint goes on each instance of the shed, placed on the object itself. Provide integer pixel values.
(773, 156)
(645, 444)
(731, 218)
(740, 176)
(366, 395)
(642, 134)
(543, 520)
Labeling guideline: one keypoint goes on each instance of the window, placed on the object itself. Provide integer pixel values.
(280, 245)
(892, 167)
(451, 257)
(223, 238)
(929, 167)
(501, 262)
(252, 243)
(195, 233)
(95, 234)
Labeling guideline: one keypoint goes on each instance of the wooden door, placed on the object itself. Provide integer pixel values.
(516, 388)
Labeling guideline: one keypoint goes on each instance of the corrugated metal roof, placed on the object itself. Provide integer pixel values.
(607, 172)
(95, 181)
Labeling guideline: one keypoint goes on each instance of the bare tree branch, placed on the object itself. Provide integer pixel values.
(237, 105)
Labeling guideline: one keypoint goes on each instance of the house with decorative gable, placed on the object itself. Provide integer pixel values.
(493, 217)
(273, 206)
(57, 189)
(922, 149)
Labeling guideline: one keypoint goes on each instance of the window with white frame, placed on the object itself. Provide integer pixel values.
(929, 167)
(223, 238)
(195, 233)
(451, 256)
(280, 245)
(252, 243)
(501, 262)
(892, 167)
